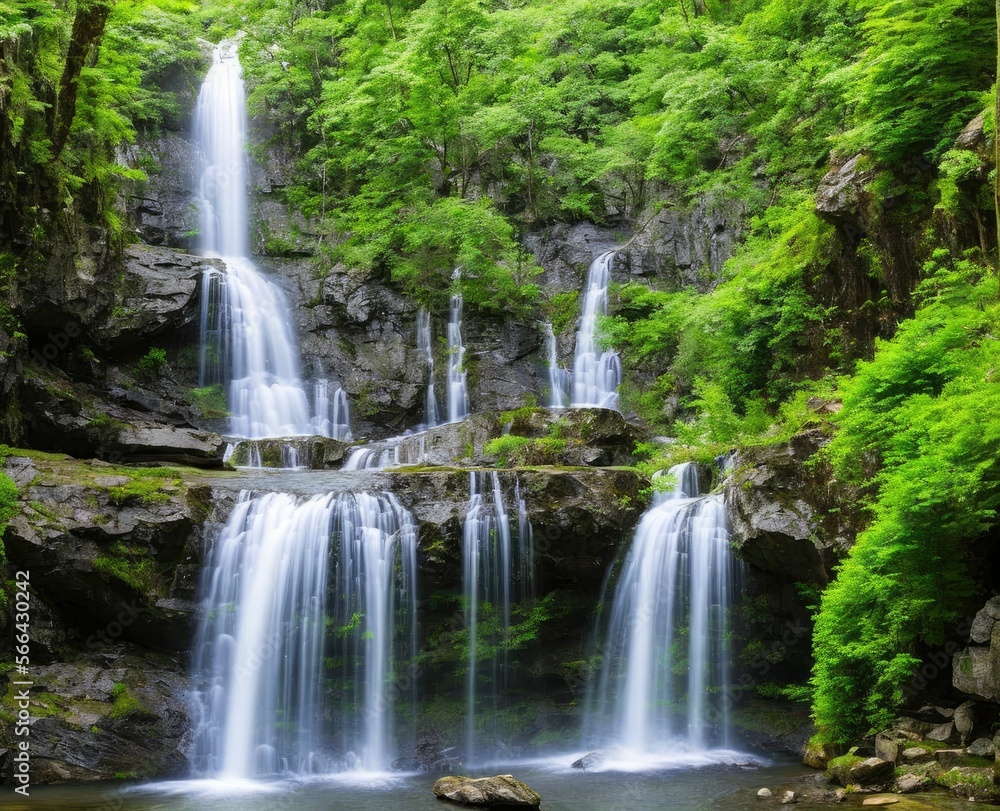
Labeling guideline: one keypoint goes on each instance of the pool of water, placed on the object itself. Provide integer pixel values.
(723, 782)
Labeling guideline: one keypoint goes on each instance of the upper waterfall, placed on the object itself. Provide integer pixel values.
(248, 342)
(596, 374)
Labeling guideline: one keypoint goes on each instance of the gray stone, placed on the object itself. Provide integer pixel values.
(981, 747)
(499, 791)
(916, 754)
(838, 195)
(872, 771)
(789, 797)
(887, 747)
(909, 783)
(942, 732)
(764, 793)
(972, 673)
(589, 761)
(949, 758)
(965, 719)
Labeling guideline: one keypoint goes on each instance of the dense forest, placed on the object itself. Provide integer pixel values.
(432, 135)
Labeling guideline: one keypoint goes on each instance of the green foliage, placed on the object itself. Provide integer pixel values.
(210, 402)
(123, 704)
(911, 430)
(133, 567)
(918, 79)
(151, 364)
(562, 309)
(506, 448)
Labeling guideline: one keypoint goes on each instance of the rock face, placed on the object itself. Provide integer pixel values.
(119, 711)
(976, 669)
(156, 294)
(839, 192)
(163, 213)
(502, 791)
(779, 517)
(113, 550)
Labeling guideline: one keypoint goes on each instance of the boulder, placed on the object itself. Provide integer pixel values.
(909, 783)
(981, 747)
(849, 770)
(839, 193)
(949, 758)
(501, 791)
(942, 733)
(782, 523)
(965, 719)
(789, 797)
(887, 747)
(916, 754)
(155, 295)
(589, 761)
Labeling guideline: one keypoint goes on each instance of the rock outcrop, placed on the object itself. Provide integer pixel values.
(501, 791)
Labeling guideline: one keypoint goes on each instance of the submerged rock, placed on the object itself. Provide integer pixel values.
(589, 761)
(501, 791)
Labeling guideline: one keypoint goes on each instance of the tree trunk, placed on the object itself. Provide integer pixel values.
(88, 28)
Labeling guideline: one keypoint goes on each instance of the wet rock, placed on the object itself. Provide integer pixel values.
(887, 747)
(942, 733)
(781, 522)
(884, 800)
(589, 761)
(789, 797)
(117, 711)
(155, 295)
(916, 754)
(108, 548)
(501, 791)
(975, 783)
(981, 747)
(909, 783)
(965, 719)
(765, 793)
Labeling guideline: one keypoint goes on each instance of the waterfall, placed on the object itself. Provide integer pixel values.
(259, 654)
(497, 573)
(248, 343)
(596, 374)
(426, 349)
(458, 395)
(559, 378)
(331, 412)
(665, 666)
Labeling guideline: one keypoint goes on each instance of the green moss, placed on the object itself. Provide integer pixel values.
(131, 566)
(562, 309)
(124, 703)
(210, 402)
(506, 448)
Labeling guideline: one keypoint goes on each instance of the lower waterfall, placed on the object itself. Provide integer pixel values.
(270, 637)
(665, 664)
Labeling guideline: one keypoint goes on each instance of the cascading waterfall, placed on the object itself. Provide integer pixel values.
(596, 374)
(559, 379)
(497, 573)
(259, 655)
(248, 343)
(331, 411)
(666, 651)
(426, 348)
(458, 395)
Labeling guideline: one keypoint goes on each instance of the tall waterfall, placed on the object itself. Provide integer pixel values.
(247, 339)
(559, 379)
(425, 347)
(596, 374)
(458, 395)
(666, 659)
(497, 572)
(259, 655)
